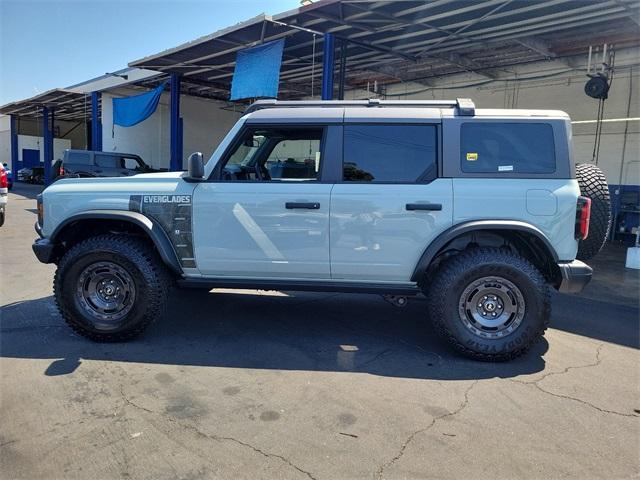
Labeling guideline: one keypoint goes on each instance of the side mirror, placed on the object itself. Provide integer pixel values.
(196, 165)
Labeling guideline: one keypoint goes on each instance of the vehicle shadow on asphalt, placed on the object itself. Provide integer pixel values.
(274, 330)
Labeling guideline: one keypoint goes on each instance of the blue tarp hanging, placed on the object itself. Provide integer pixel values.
(129, 111)
(257, 71)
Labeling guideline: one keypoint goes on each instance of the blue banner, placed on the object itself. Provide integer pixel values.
(257, 71)
(129, 111)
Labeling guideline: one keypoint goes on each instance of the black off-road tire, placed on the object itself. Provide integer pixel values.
(593, 184)
(138, 260)
(445, 297)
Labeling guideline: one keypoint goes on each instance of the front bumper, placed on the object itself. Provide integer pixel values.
(43, 249)
(574, 276)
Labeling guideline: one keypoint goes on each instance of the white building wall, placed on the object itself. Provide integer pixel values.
(75, 138)
(5, 146)
(558, 92)
(36, 143)
(204, 126)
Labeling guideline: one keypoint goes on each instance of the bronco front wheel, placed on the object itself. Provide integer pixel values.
(489, 303)
(110, 287)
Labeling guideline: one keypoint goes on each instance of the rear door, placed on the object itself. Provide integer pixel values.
(390, 203)
(267, 215)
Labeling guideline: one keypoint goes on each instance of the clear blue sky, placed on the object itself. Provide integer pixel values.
(49, 44)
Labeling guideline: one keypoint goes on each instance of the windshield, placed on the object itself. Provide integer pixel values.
(222, 146)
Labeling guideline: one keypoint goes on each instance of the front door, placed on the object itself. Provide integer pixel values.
(390, 203)
(267, 213)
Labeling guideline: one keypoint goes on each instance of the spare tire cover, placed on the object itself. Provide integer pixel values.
(593, 185)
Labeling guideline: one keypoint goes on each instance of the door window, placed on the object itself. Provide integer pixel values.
(276, 154)
(130, 163)
(106, 161)
(389, 153)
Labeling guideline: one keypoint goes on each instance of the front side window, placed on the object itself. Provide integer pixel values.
(389, 153)
(501, 147)
(130, 163)
(276, 154)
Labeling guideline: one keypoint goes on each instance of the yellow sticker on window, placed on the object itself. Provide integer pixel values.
(472, 156)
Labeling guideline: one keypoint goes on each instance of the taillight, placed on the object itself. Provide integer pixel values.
(583, 214)
(4, 181)
(40, 207)
(61, 171)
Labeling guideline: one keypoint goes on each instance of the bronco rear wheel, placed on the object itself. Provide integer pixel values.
(489, 303)
(110, 287)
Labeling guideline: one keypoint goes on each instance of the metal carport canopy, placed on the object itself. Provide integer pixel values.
(393, 41)
(67, 105)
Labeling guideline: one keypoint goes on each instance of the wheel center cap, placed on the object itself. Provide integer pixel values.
(109, 290)
(489, 306)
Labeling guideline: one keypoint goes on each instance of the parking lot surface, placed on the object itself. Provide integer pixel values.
(253, 384)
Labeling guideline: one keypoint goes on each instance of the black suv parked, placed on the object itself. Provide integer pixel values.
(88, 163)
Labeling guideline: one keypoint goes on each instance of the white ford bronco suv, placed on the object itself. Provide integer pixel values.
(478, 210)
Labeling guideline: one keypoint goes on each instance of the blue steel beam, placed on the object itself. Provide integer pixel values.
(327, 67)
(47, 135)
(14, 146)
(176, 148)
(96, 123)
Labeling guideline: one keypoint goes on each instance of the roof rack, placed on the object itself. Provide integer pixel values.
(464, 106)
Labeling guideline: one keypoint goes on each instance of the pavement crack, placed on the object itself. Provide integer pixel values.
(380, 472)
(598, 361)
(217, 438)
(575, 399)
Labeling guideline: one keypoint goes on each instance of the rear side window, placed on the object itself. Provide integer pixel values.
(501, 147)
(107, 161)
(389, 153)
(79, 158)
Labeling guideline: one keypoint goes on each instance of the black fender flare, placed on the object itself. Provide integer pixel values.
(157, 235)
(477, 225)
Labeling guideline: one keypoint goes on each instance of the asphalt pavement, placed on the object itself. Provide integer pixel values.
(254, 384)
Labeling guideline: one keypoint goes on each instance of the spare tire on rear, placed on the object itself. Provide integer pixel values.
(593, 184)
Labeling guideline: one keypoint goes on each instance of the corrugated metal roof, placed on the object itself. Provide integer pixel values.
(66, 103)
(386, 41)
(393, 41)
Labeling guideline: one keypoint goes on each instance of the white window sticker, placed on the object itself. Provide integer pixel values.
(505, 168)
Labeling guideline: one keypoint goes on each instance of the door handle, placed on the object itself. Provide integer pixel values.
(424, 206)
(307, 205)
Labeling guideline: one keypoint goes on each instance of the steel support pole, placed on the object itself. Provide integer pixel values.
(96, 122)
(327, 67)
(47, 140)
(176, 149)
(343, 67)
(14, 146)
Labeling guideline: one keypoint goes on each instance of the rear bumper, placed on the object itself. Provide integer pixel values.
(574, 276)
